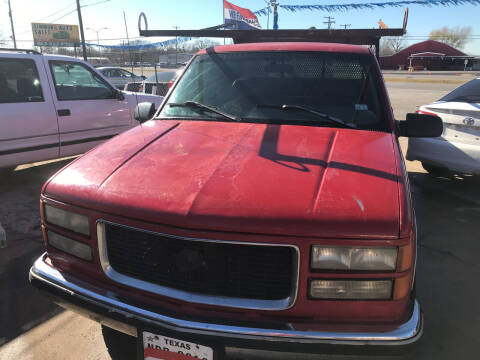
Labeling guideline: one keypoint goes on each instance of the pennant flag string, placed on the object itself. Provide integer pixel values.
(144, 46)
(371, 5)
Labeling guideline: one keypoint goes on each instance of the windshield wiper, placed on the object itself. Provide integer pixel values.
(311, 111)
(205, 107)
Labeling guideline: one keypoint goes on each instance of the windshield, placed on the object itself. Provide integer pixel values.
(241, 84)
(469, 92)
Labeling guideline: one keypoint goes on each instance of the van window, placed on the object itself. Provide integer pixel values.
(19, 81)
(74, 81)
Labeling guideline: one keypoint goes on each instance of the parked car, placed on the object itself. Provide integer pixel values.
(458, 148)
(98, 61)
(133, 86)
(265, 206)
(165, 81)
(120, 77)
(56, 106)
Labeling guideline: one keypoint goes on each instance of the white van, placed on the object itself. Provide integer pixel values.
(57, 106)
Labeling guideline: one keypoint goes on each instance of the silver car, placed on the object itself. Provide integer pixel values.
(458, 149)
(119, 77)
(160, 83)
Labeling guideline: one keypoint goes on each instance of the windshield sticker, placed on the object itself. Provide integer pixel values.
(361, 107)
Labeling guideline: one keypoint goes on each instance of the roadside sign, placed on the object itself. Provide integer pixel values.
(55, 34)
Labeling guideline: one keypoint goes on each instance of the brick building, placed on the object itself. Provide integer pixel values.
(429, 55)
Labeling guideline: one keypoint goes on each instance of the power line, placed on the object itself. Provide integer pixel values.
(56, 12)
(95, 3)
(82, 6)
(46, 17)
(64, 15)
(61, 17)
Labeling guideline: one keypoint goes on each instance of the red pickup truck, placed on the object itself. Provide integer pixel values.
(264, 205)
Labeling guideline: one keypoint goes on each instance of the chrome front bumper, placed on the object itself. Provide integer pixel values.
(107, 308)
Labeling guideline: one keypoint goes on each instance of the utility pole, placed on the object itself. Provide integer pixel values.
(82, 35)
(11, 24)
(329, 22)
(345, 26)
(271, 4)
(128, 40)
(176, 45)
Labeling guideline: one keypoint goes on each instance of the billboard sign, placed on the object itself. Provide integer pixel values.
(55, 34)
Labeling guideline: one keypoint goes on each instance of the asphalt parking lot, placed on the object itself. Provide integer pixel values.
(447, 212)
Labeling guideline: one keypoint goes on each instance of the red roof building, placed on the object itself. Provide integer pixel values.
(430, 55)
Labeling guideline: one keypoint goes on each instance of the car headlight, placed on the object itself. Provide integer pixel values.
(70, 246)
(351, 289)
(67, 219)
(353, 258)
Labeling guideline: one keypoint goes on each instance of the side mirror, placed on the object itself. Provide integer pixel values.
(144, 111)
(119, 95)
(420, 125)
(143, 77)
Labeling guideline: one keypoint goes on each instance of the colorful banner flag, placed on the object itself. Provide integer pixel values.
(239, 18)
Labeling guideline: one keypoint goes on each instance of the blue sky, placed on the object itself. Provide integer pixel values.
(195, 14)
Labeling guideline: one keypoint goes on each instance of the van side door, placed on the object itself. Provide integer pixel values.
(28, 121)
(88, 106)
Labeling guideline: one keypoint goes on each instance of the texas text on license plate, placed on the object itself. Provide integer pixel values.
(157, 347)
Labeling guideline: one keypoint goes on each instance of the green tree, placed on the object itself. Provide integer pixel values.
(456, 37)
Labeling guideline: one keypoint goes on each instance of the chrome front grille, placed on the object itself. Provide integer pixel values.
(235, 274)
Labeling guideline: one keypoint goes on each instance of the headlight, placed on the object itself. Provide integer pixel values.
(353, 258)
(351, 289)
(70, 246)
(67, 219)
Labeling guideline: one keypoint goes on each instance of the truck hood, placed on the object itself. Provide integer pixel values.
(241, 177)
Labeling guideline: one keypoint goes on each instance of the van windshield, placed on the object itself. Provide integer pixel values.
(256, 86)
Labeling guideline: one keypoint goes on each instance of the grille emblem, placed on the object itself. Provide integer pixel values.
(469, 121)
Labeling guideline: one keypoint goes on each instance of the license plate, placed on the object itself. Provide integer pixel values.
(159, 347)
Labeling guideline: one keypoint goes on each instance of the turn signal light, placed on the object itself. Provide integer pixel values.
(351, 289)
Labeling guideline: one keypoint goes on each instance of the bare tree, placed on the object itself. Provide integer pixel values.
(390, 46)
(456, 37)
(203, 43)
(396, 44)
